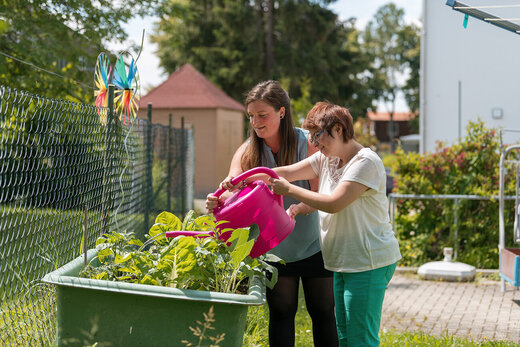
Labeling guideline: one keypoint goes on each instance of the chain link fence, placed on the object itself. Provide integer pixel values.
(66, 177)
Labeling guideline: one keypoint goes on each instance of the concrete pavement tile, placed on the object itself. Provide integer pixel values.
(467, 310)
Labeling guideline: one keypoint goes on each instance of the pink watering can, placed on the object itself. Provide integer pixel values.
(253, 204)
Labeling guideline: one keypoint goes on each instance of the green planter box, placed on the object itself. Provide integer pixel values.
(127, 314)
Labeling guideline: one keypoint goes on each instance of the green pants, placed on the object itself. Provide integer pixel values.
(359, 301)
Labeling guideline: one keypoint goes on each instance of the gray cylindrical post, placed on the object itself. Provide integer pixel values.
(85, 236)
(183, 169)
(148, 174)
(169, 163)
(456, 225)
(107, 162)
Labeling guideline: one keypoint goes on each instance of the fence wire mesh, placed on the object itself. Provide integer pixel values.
(66, 178)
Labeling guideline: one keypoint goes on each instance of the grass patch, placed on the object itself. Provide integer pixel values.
(34, 242)
(258, 321)
(391, 339)
(29, 319)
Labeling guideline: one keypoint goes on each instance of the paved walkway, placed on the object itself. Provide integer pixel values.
(476, 310)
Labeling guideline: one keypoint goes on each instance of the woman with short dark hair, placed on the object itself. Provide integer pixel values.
(357, 240)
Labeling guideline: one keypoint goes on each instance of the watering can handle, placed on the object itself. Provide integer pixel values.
(248, 173)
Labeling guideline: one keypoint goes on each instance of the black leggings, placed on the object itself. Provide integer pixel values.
(283, 304)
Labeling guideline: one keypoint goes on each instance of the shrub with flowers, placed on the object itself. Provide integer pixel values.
(469, 167)
(363, 135)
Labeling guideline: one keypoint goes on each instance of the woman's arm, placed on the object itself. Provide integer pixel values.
(235, 168)
(301, 170)
(344, 194)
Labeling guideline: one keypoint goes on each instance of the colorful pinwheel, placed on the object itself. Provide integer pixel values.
(126, 98)
(101, 80)
(127, 95)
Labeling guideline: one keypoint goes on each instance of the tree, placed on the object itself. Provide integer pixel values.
(388, 41)
(313, 44)
(236, 44)
(61, 37)
(411, 42)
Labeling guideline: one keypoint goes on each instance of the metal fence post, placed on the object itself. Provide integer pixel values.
(107, 161)
(169, 163)
(456, 226)
(183, 169)
(148, 175)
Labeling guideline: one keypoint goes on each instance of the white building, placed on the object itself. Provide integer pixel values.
(467, 73)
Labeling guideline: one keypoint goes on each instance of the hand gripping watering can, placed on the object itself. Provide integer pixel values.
(253, 204)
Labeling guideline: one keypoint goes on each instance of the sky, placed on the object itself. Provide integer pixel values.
(151, 75)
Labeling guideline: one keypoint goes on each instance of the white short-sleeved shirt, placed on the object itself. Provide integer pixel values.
(359, 237)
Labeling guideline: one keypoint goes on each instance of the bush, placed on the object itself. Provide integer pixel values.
(469, 167)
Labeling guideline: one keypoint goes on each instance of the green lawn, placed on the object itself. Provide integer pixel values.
(29, 320)
(257, 335)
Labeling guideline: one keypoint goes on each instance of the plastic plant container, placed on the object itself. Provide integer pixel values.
(128, 314)
(510, 265)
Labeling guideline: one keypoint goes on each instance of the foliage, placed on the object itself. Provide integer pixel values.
(236, 44)
(469, 167)
(62, 37)
(362, 133)
(300, 106)
(394, 49)
(411, 57)
(208, 263)
(160, 184)
(388, 159)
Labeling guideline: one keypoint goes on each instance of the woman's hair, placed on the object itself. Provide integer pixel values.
(272, 93)
(324, 115)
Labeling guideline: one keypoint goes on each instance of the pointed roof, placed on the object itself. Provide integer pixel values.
(188, 88)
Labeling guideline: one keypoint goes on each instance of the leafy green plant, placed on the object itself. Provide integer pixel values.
(208, 263)
(468, 167)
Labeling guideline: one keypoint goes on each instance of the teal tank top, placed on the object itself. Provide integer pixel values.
(303, 241)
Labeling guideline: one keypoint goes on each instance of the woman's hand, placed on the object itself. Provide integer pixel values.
(280, 186)
(226, 184)
(212, 202)
(293, 211)
(297, 209)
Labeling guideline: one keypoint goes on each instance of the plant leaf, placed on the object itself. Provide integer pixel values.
(242, 246)
(164, 222)
(104, 253)
(122, 259)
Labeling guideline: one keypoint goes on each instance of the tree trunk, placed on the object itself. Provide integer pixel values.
(269, 59)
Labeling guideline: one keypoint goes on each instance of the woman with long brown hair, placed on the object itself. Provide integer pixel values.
(274, 141)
